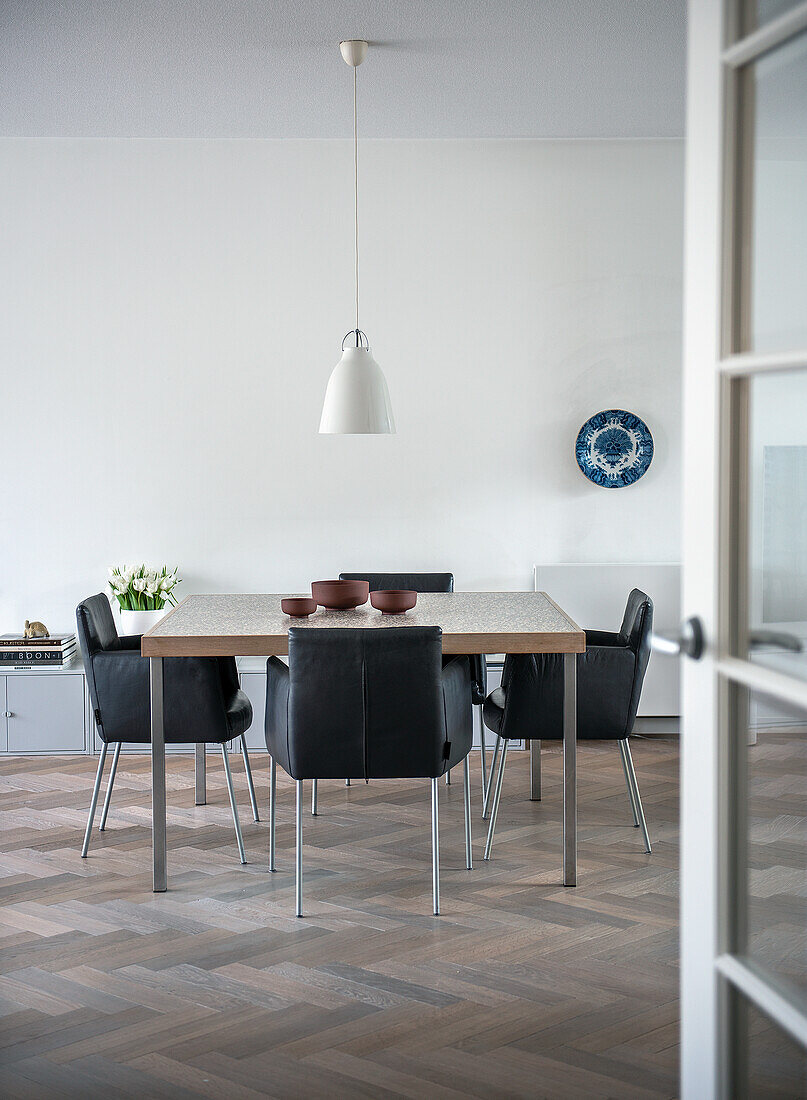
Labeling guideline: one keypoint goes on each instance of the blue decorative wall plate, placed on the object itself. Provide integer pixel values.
(614, 448)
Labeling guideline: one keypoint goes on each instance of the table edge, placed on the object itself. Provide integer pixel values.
(266, 645)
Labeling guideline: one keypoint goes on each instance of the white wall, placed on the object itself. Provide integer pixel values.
(170, 312)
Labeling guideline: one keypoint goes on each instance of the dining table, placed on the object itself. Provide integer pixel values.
(252, 624)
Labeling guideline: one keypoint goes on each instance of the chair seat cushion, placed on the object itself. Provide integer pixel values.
(238, 710)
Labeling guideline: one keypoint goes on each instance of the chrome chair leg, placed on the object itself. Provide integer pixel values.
(466, 784)
(107, 799)
(299, 854)
(483, 755)
(347, 782)
(448, 778)
(94, 800)
(621, 746)
(250, 784)
(313, 797)
(272, 810)
(491, 774)
(435, 850)
(228, 775)
(494, 812)
(637, 798)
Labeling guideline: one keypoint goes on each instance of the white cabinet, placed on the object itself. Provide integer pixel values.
(48, 711)
(44, 711)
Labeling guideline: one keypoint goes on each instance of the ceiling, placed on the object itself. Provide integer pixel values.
(272, 68)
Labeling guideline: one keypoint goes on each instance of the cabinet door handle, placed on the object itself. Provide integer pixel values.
(8, 714)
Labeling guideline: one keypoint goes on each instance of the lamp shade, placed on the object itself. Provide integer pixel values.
(357, 399)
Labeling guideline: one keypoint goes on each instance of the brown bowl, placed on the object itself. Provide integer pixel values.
(394, 601)
(340, 595)
(298, 606)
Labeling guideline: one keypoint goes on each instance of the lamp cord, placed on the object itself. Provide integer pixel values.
(356, 197)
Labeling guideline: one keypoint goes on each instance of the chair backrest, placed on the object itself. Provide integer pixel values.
(637, 622)
(636, 633)
(96, 625)
(609, 683)
(409, 582)
(427, 582)
(366, 703)
(120, 690)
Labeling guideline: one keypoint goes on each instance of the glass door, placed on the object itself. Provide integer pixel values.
(744, 895)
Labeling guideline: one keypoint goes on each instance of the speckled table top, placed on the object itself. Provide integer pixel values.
(472, 622)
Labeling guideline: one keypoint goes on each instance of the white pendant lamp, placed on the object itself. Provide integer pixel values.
(357, 399)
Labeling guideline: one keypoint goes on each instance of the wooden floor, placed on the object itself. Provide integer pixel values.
(520, 989)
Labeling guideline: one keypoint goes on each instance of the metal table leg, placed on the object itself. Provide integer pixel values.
(535, 771)
(299, 851)
(272, 810)
(157, 775)
(466, 794)
(570, 769)
(201, 775)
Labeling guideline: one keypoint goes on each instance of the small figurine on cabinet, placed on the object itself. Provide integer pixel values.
(36, 630)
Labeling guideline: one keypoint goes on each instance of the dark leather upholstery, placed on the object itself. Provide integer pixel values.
(373, 703)
(203, 702)
(428, 582)
(610, 673)
(408, 582)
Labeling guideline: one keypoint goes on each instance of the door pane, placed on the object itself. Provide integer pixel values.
(777, 1065)
(777, 837)
(778, 521)
(758, 12)
(774, 109)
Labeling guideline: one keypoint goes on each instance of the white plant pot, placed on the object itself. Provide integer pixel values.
(139, 622)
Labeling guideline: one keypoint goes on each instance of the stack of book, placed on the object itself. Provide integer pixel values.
(17, 651)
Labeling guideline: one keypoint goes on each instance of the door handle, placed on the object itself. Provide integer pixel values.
(688, 642)
(777, 638)
(8, 714)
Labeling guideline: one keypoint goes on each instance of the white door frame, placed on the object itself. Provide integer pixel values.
(716, 386)
(701, 350)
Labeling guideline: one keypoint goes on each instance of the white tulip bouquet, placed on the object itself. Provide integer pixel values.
(142, 589)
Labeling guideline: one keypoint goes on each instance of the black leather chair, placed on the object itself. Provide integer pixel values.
(373, 703)
(610, 673)
(203, 701)
(435, 582)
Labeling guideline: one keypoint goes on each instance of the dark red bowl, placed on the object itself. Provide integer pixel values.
(298, 606)
(394, 601)
(340, 595)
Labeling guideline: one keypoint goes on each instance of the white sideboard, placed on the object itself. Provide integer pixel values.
(45, 710)
(48, 711)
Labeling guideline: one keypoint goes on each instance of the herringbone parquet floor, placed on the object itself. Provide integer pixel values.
(520, 989)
